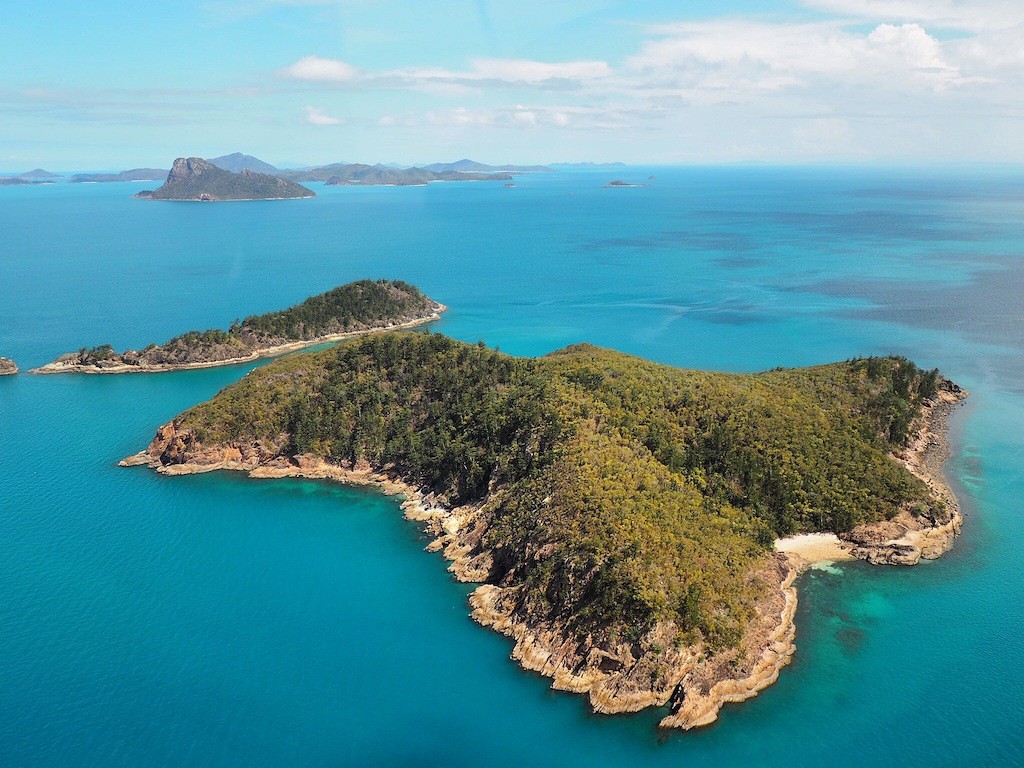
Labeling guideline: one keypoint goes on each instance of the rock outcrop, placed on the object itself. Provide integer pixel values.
(7, 366)
(911, 537)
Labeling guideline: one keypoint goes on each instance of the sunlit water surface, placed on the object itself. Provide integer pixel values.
(217, 620)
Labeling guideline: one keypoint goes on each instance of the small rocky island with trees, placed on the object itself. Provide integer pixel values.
(351, 309)
(621, 517)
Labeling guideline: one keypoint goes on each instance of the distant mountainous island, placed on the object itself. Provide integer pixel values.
(35, 176)
(622, 518)
(135, 174)
(16, 181)
(7, 366)
(39, 173)
(236, 162)
(184, 179)
(588, 165)
(392, 174)
(466, 166)
(193, 178)
(348, 310)
(384, 175)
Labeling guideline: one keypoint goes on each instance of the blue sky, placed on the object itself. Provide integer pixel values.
(122, 84)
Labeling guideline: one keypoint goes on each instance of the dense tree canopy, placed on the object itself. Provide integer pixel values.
(618, 491)
(358, 306)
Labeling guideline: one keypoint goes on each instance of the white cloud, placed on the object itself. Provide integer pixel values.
(991, 41)
(734, 58)
(317, 69)
(869, 77)
(819, 137)
(524, 116)
(969, 15)
(998, 54)
(526, 71)
(512, 72)
(530, 117)
(315, 116)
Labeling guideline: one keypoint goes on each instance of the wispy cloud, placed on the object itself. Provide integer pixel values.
(315, 116)
(737, 58)
(607, 117)
(125, 105)
(320, 70)
(939, 78)
(721, 60)
(968, 15)
(482, 72)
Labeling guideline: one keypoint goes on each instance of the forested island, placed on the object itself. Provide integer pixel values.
(135, 174)
(18, 181)
(620, 516)
(351, 309)
(404, 177)
(192, 178)
(469, 166)
(350, 174)
(7, 366)
(39, 173)
(236, 162)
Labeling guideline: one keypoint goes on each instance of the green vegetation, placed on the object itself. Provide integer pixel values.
(617, 492)
(98, 353)
(345, 174)
(359, 306)
(135, 174)
(16, 181)
(349, 307)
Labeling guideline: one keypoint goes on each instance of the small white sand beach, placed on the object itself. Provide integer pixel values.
(815, 547)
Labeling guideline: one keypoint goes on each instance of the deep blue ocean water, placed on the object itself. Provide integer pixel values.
(216, 620)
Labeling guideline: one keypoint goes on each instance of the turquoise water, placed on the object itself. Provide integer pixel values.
(217, 620)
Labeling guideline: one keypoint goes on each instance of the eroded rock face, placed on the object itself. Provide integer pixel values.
(177, 451)
(186, 167)
(7, 366)
(909, 538)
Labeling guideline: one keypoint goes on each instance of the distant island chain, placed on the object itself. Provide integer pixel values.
(243, 177)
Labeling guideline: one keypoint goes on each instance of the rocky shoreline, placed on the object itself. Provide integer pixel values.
(7, 367)
(907, 538)
(60, 366)
(694, 681)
